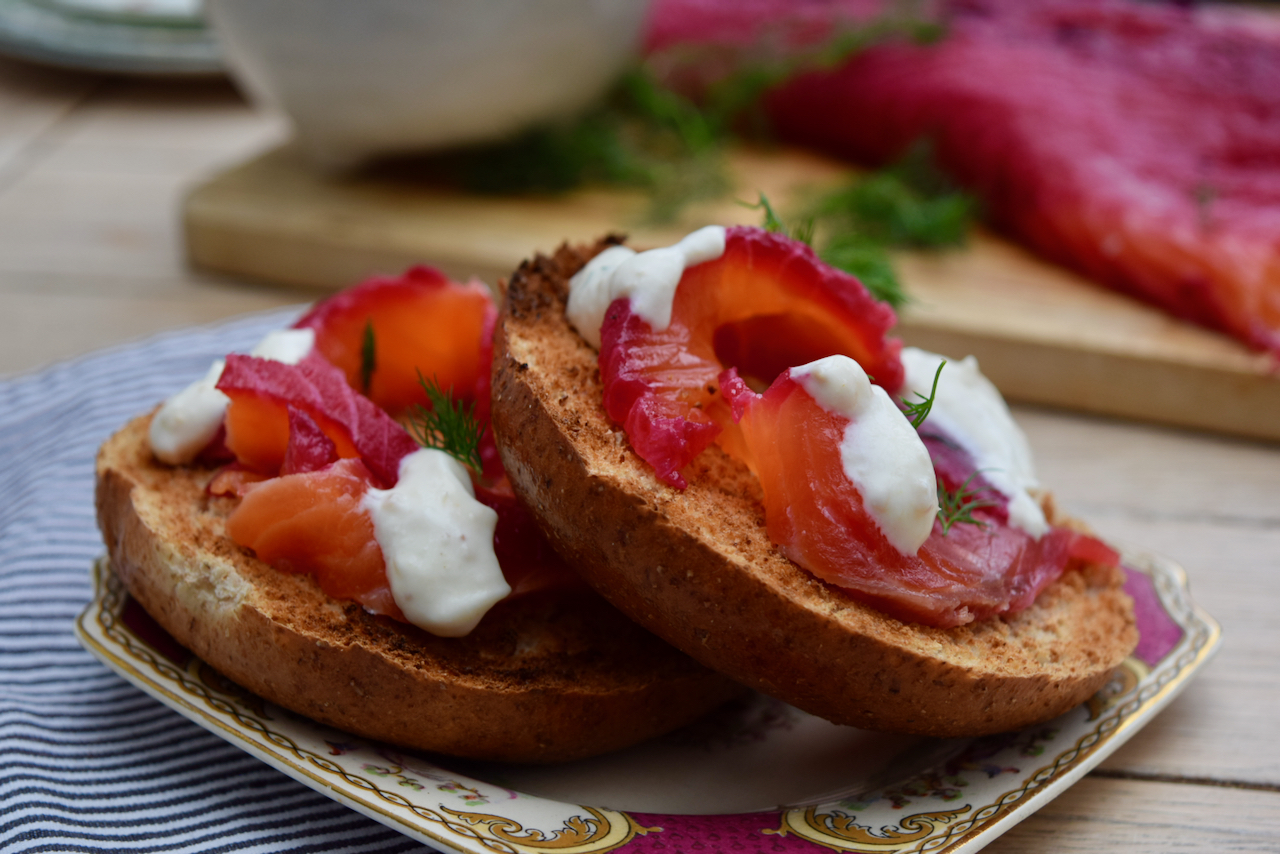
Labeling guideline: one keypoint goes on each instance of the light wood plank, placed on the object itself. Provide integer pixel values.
(32, 100)
(1139, 817)
(1212, 504)
(1046, 335)
(276, 218)
(139, 116)
(103, 197)
(1223, 725)
(1099, 466)
(38, 329)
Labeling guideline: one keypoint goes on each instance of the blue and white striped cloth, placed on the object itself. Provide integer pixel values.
(88, 762)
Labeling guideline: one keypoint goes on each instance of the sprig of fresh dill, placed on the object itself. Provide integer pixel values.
(447, 425)
(956, 508)
(642, 135)
(368, 356)
(869, 261)
(802, 230)
(917, 411)
(910, 204)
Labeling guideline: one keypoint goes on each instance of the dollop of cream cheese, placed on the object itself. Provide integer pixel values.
(437, 540)
(647, 279)
(970, 410)
(189, 420)
(289, 346)
(880, 451)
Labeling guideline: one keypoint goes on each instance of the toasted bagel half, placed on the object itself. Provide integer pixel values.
(552, 676)
(697, 568)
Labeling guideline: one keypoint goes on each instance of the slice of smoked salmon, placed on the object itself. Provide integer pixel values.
(419, 322)
(309, 449)
(768, 303)
(257, 419)
(312, 522)
(297, 420)
(232, 479)
(816, 517)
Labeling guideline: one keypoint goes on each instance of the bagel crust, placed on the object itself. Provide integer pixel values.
(551, 676)
(697, 568)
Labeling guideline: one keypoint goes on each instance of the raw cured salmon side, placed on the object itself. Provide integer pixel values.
(1134, 142)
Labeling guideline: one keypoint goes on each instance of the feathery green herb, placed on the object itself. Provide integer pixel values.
(641, 135)
(869, 261)
(917, 411)
(368, 356)
(802, 231)
(956, 508)
(447, 425)
(910, 204)
(647, 136)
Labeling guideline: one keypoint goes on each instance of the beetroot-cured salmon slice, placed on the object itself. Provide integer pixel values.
(257, 419)
(397, 328)
(766, 304)
(1138, 143)
(817, 518)
(528, 561)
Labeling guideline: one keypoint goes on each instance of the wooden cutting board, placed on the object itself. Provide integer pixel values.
(1042, 334)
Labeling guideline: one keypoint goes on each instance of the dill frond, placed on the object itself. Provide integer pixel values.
(956, 508)
(917, 411)
(447, 425)
(869, 261)
(801, 231)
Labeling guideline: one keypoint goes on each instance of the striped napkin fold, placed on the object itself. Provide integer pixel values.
(88, 762)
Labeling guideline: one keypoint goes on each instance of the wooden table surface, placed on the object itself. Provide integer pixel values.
(92, 172)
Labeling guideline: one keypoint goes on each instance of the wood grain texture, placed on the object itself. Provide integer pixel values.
(1102, 466)
(32, 101)
(274, 218)
(90, 248)
(1140, 817)
(1212, 504)
(1223, 726)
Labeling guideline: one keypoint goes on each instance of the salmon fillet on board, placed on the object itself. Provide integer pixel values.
(1138, 143)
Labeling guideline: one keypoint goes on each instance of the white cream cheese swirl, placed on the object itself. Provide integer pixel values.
(969, 410)
(189, 420)
(437, 541)
(648, 279)
(880, 452)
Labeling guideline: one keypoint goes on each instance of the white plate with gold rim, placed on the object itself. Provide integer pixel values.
(756, 776)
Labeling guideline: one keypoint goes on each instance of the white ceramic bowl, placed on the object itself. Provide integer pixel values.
(362, 78)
